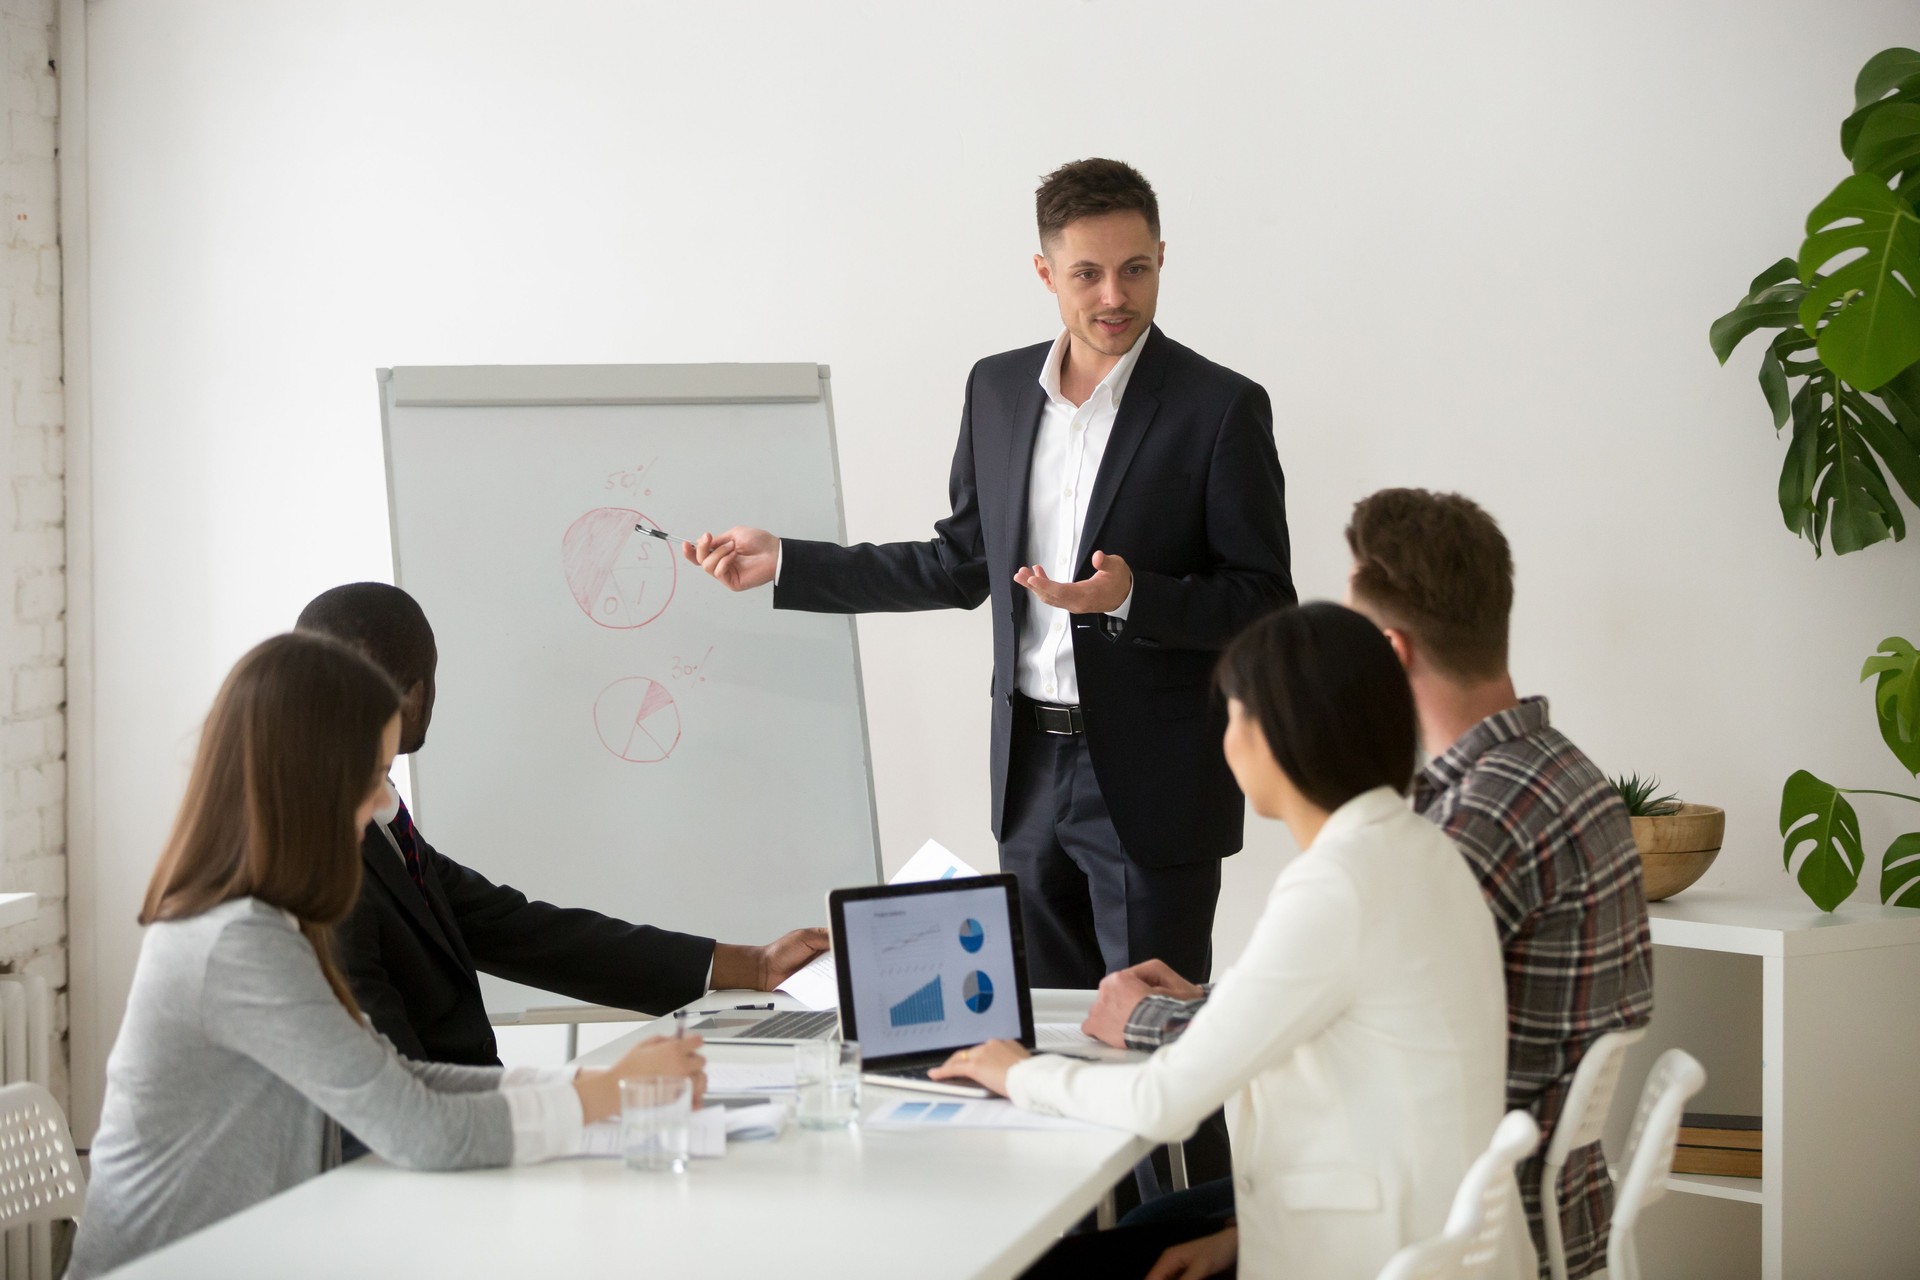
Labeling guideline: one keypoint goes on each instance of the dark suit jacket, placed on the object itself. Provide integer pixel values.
(1190, 493)
(411, 959)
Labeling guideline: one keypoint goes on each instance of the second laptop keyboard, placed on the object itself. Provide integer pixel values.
(797, 1024)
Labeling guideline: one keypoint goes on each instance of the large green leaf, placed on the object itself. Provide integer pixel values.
(1900, 871)
(1773, 371)
(1901, 397)
(1831, 485)
(1896, 699)
(1889, 141)
(1875, 333)
(1887, 440)
(1773, 300)
(1889, 69)
(1812, 812)
(1856, 124)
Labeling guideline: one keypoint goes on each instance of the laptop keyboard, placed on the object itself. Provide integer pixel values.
(797, 1024)
(910, 1072)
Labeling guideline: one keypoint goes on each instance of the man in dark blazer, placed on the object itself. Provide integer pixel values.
(424, 924)
(1119, 500)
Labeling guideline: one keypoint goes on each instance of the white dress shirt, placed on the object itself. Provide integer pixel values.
(1066, 458)
(1359, 1044)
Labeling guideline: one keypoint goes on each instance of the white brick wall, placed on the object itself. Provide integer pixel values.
(33, 771)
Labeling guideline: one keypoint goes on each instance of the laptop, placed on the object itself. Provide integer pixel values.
(928, 968)
(769, 1026)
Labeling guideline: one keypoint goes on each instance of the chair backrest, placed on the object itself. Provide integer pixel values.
(40, 1176)
(1479, 1223)
(1582, 1116)
(1676, 1077)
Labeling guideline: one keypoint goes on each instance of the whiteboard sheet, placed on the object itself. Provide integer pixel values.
(613, 729)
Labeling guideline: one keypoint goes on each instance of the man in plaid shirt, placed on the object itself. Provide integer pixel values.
(1541, 826)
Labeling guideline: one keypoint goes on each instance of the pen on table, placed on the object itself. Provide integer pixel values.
(744, 1008)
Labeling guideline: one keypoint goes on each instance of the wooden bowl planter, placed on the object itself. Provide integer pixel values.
(1677, 848)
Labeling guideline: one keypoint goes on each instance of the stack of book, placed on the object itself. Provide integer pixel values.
(1724, 1146)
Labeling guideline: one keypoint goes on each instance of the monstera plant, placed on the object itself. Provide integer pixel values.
(1844, 370)
(1817, 813)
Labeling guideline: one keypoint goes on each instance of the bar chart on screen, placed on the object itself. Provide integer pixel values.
(923, 1006)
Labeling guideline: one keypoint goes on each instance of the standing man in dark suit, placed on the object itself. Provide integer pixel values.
(424, 923)
(1118, 498)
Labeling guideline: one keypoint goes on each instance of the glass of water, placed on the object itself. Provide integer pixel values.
(656, 1122)
(826, 1083)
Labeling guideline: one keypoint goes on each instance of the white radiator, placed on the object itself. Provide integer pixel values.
(26, 1053)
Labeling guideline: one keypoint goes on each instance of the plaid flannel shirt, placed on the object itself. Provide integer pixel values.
(1549, 841)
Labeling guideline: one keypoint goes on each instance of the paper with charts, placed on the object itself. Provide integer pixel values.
(986, 1113)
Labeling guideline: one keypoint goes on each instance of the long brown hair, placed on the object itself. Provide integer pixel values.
(287, 755)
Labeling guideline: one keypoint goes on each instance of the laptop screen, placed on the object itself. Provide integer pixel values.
(930, 967)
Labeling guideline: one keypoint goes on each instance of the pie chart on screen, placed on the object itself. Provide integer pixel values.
(972, 936)
(638, 720)
(978, 991)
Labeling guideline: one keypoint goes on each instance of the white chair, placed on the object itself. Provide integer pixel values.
(1478, 1224)
(40, 1179)
(1676, 1077)
(1581, 1118)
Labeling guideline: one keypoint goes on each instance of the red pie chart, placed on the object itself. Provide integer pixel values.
(638, 720)
(619, 577)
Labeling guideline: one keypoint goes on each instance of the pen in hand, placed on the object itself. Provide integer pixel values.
(679, 1024)
(661, 534)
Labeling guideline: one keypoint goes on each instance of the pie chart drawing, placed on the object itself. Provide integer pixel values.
(619, 577)
(638, 720)
(972, 936)
(978, 991)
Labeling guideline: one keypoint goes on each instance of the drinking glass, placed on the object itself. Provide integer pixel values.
(656, 1122)
(826, 1083)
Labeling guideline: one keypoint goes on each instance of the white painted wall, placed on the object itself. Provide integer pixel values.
(1472, 246)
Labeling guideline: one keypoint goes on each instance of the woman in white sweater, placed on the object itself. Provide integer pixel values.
(1359, 1043)
(242, 1051)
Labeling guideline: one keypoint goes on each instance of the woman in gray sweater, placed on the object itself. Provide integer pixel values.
(242, 1051)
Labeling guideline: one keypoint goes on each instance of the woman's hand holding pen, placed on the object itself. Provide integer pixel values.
(599, 1090)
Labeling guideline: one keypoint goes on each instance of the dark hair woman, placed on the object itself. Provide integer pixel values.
(242, 1045)
(1359, 1042)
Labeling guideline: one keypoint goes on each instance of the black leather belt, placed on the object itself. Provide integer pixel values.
(1065, 721)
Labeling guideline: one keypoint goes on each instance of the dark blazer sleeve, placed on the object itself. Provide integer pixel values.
(947, 572)
(570, 950)
(1246, 514)
(357, 948)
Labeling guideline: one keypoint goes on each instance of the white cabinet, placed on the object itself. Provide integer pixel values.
(1812, 1022)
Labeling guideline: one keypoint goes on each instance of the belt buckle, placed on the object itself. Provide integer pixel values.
(1063, 716)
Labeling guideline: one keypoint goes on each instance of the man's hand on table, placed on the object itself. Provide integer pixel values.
(764, 968)
(1122, 991)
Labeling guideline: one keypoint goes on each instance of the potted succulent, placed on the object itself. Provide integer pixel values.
(1678, 841)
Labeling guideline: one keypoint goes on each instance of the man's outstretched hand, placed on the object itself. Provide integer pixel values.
(1105, 591)
(764, 968)
(739, 559)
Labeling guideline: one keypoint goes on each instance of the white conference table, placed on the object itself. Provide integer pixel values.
(846, 1205)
